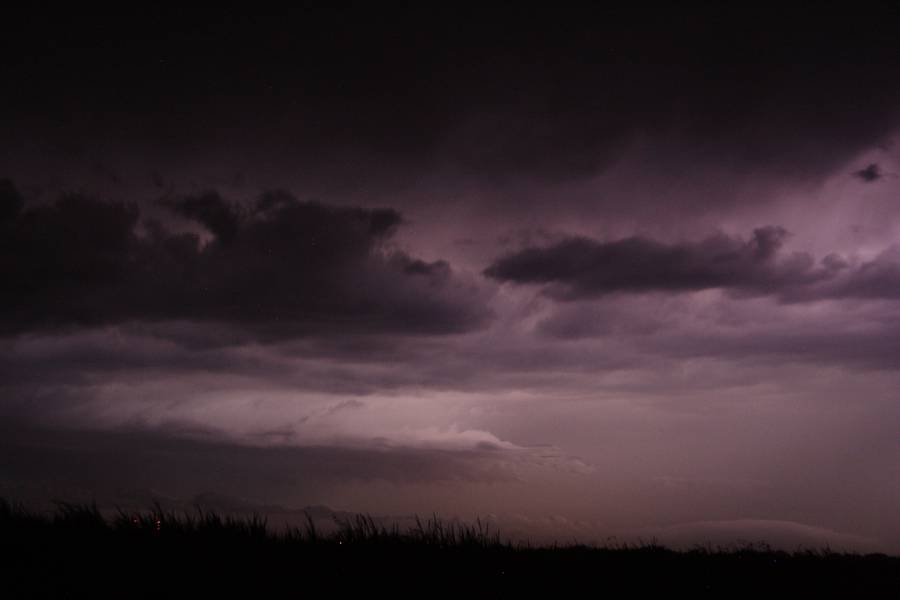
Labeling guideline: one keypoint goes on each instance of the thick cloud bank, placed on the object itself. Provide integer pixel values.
(280, 268)
(578, 267)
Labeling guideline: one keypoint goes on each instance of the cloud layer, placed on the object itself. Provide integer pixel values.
(280, 268)
(513, 263)
(577, 268)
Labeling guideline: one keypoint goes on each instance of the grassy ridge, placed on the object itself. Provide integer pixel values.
(77, 552)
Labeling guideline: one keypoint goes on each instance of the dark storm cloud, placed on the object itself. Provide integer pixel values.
(495, 92)
(11, 201)
(137, 327)
(870, 173)
(579, 267)
(212, 211)
(279, 268)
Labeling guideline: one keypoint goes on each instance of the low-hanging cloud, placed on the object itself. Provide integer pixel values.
(279, 268)
(579, 268)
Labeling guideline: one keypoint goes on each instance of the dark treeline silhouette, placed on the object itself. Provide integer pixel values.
(79, 552)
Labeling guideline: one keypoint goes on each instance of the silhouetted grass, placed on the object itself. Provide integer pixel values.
(77, 552)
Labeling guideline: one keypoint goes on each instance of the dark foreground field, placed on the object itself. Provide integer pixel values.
(76, 552)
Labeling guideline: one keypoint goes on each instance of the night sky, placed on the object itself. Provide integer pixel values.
(581, 272)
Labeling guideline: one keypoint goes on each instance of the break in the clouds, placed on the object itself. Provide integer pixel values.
(577, 268)
(278, 267)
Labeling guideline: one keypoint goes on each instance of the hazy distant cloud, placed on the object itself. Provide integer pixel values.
(175, 465)
(870, 173)
(280, 268)
(782, 535)
(870, 346)
(579, 267)
(588, 319)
